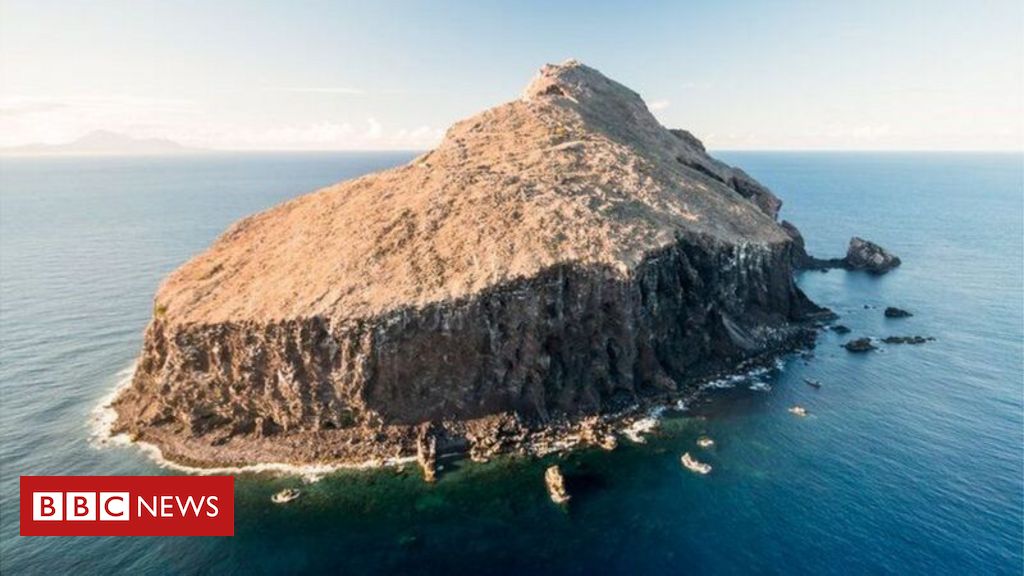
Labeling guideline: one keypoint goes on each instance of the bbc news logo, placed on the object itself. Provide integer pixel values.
(127, 506)
(107, 506)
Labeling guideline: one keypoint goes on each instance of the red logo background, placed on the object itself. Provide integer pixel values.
(146, 487)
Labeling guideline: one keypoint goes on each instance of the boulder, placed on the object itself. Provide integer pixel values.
(864, 255)
(859, 345)
(893, 312)
(426, 453)
(555, 483)
(841, 329)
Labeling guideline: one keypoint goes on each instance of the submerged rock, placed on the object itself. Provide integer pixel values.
(554, 257)
(893, 312)
(859, 345)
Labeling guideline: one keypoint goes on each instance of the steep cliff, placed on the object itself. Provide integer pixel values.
(556, 256)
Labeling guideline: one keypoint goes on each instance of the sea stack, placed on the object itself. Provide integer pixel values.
(555, 483)
(864, 255)
(555, 257)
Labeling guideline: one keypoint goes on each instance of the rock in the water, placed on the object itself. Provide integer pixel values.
(859, 345)
(860, 255)
(893, 312)
(907, 339)
(555, 256)
(841, 329)
(555, 482)
(426, 453)
(864, 255)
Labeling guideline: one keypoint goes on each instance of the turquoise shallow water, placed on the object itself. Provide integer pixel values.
(912, 461)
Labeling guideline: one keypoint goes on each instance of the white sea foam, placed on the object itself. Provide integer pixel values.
(724, 383)
(103, 417)
(636, 429)
(309, 473)
(760, 386)
(752, 377)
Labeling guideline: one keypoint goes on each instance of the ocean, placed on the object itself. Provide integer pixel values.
(910, 462)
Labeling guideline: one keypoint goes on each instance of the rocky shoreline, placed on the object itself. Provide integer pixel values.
(426, 445)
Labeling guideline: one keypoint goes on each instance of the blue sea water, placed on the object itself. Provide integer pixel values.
(911, 461)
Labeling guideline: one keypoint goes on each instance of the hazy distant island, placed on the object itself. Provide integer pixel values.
(102, 143)
(554, 266)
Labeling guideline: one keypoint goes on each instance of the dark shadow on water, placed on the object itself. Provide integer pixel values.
(582, 483)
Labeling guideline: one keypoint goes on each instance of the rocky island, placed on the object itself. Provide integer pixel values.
(860, 255)
(556, 258)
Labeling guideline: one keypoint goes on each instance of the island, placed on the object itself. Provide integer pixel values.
(103, 143)
(556, 263)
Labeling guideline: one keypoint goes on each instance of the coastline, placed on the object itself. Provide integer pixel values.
(561, 436)
(101, 436)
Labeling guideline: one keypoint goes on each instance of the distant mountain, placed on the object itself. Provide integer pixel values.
(101, 143)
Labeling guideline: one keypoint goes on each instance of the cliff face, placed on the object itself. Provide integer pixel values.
(559, 255)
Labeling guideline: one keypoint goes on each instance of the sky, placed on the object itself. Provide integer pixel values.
(334, 75)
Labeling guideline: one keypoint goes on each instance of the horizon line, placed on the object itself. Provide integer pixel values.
(214, 151)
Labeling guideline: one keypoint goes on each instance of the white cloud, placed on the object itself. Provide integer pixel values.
(375, 130)
(324, 136)
(656, 105)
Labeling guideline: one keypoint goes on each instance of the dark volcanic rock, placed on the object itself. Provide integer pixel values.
(556, 257)
(865, 255)
(893, 312)
(741, 182)
(688, 138)
(758, 194)
(907, 339)
(859, 345)
(804, 261)
(860, 255)
(841, 329)
(801, 260)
